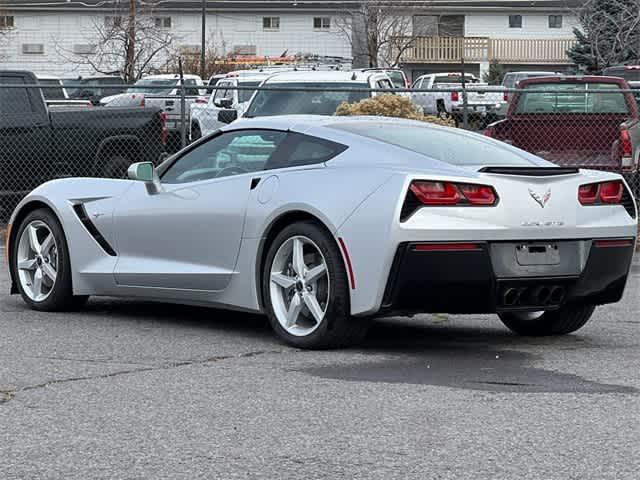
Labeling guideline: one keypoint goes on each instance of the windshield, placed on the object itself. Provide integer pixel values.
(54, 92)
(155, 86)
(571, 98)
(445, 145)
(291, 102)
(245, 95)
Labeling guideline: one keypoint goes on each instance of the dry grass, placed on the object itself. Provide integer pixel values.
(390, 106)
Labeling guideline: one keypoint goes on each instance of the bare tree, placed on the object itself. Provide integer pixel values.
(379, 32)
(609, 34)
(6, 28)
(130, 42)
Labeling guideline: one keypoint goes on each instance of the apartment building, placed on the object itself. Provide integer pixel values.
(520, 34)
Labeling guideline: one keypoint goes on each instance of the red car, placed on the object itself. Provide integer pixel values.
(574, 121)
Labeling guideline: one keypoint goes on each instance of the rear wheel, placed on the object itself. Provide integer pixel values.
(565, 320)
(40, 263)
(306, 290)
(196, 133)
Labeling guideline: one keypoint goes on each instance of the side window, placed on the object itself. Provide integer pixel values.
(385, 84)
(230, 153)
(300, 149)
(222, 92)
(417, 84)
(14, 101)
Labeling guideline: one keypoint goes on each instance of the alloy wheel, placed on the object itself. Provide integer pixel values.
(37, 260)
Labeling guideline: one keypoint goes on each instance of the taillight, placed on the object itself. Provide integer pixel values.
(143, 102)
(505, 96)
(449, 193)
(626, 148)
(164, 132)
(601, 193)
(455, 97)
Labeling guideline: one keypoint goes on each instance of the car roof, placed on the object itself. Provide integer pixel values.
(537, 72)
(171, 76)
(324, 76)
(573, 79)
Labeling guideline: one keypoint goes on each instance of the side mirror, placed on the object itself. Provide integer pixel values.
(225, 103)
(227, 116)
(145, 172)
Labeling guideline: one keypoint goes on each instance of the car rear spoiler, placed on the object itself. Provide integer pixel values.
(531, 171)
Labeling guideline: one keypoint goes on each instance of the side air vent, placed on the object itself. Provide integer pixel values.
(81, 212)
(531, 171)
(627, 202)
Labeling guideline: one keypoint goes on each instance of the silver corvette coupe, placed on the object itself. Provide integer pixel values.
(325, 222)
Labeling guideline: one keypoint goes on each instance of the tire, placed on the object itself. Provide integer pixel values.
(116, 167)
(195, 132)
(59, 295)
(565, 320)
(331, 290)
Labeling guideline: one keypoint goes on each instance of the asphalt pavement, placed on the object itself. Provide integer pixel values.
(136, 390)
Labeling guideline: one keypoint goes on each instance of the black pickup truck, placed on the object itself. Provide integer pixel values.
(38, 144)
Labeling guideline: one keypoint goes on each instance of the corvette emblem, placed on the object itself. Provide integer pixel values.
(541, 199)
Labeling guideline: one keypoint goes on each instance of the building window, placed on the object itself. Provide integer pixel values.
(162, 22)
(7, 22)
(555, 21)
(113, 21)
(33, 48)
(84, 49)
(321, 23)
(515, 21)
(271, 23)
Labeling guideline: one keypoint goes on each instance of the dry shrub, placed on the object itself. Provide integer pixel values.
(390, 106)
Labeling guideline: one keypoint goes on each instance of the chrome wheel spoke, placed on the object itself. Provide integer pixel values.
(314, 307)
(46, 244)
(33, 239)
(37, 284)
(49, 271)
(28, 264)
(298, 257)
(315, 273)
(283, 280)
(295, 307)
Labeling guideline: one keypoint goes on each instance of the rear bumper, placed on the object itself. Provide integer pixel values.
(465, 280)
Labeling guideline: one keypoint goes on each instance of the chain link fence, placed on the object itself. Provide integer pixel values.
(56, 137)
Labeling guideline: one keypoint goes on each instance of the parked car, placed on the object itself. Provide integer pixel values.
(95, 88)
(162, 91)
(445, 96)
(511, 80)
(55, 94)
(568, 121)
(38, 144)
(229, 93)
(323, 223)
(631, 73)
(304, 93)
(396, 75)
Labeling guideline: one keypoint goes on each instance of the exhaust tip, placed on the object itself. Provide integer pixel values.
(542, 295)
(510, 296)
(557, 295)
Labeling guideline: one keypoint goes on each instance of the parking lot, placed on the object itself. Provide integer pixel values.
(137, 390)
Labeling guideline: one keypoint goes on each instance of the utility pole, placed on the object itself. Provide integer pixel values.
(131, 42)
(203, 40)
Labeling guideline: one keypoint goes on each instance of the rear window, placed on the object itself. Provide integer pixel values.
(447, 146)
(454, 79)
(283, 101)
(571, 98)
(54, 90)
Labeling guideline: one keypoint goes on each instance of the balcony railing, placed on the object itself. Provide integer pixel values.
(482, 49)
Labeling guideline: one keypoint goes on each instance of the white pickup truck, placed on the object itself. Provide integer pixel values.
(444, 95)
(231, 92)
(162, 91)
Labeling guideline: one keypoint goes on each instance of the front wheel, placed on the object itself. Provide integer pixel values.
(565, 320)
(306, 289)
(40, 263)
